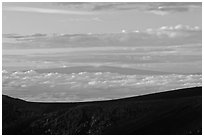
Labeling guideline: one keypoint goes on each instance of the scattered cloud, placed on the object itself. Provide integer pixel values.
(95, 19)
(172, 7)
(82, 83)
(158, 12)
(90, 8)
(17, 36)
(181, 27)
(175, 31)
(159, 8)
(165, 35)
(45, 10)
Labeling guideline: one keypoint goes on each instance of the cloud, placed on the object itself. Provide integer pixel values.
(178, 31)
(175, 31)
(57, 86)
(165, 36)
(172, 7)
(158, 12)
(181, 27)
(159, 8)
(17, 36)
(45, 10)
(95, 19)
(12, 38)
(90, 8)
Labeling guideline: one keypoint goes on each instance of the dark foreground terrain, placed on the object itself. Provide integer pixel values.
(172, 112)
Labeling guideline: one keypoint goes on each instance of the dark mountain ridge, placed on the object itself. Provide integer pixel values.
(170, 112)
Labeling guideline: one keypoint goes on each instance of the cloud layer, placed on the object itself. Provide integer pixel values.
(88, 8)
(82, 86)
(167, 48)
(155, 7)
(45, 10)
(165, 35)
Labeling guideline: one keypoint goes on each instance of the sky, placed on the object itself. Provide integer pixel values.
(95, 51)
(80, 17)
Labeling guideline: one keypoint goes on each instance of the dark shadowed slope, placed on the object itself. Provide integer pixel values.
(171, 112)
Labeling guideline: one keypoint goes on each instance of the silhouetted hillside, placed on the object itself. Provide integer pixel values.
(171, 112)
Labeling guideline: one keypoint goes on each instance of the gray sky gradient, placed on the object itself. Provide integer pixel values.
(162, 40)
(28, 18)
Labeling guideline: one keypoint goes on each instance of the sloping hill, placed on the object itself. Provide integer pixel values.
(171, 112)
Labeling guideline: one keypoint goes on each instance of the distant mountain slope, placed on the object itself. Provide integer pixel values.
(171, 112)
(120, 70)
